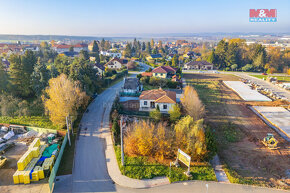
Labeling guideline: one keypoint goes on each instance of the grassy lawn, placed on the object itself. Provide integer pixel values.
(142, 168)
(234, 177)
(35, 121)
(149, 87)
(279, 78)
(208, 91)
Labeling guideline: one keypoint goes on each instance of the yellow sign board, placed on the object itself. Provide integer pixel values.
(183, 157)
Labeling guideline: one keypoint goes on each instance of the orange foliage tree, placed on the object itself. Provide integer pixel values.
(63, 97)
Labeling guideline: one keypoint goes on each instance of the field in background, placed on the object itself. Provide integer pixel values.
(239, 133)
(279, 78)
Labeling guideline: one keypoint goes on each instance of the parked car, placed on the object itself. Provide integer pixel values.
(264, 73)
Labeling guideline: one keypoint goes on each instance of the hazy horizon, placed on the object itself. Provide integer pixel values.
(128, 17)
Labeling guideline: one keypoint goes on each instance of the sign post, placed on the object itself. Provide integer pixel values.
(184, 158)
(67, 126)
(122, 148)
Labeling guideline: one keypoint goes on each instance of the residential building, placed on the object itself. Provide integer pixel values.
(163, 72)
(154, 57)
(198, 65)
(65, 48)
(111, 54)
(116, 63)
(100, 68)
(69, 54)
(131, 86)
(149, 74)
(150, 99)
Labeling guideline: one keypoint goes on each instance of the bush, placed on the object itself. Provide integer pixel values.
(211, 145)
(116, 131)
(156, 114)
(174, 113)
(248, 67)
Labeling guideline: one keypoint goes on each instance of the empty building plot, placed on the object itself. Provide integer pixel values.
(277, 116)
(245, 92)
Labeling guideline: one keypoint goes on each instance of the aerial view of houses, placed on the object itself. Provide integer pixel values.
(159, 97)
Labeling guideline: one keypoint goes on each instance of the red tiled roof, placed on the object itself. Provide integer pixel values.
(62, 46)
(147, 74)
(163, 69)
(115, 59)
(159, 96)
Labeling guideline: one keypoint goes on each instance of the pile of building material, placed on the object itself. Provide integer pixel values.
(245, 92)
(27, 162)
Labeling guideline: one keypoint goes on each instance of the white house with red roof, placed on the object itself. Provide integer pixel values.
(116, 63)
(150, 99)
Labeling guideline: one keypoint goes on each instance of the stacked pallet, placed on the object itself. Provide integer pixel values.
(26, 164)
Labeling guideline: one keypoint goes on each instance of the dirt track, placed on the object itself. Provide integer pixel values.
(249, 157)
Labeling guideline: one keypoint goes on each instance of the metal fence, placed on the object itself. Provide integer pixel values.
(54, 170)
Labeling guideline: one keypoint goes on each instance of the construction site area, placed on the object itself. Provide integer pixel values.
(248, 145)
(28, 156)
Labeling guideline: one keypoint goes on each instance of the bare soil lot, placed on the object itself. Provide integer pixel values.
(10, 167)
(247, 156)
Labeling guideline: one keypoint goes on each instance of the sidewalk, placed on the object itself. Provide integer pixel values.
(112, 164)
(219, 172)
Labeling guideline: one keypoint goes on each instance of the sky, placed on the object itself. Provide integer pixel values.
(123, 17)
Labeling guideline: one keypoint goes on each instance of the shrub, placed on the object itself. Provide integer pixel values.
(156, 114)
(174, 113)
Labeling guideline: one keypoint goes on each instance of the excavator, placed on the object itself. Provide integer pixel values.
(270, 141)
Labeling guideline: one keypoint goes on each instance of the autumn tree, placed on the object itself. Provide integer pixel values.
(63, 97)
(190, 136)
(174, 113)
(192, 104)
(147, 139)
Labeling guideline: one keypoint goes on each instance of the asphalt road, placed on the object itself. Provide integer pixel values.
(90, 171)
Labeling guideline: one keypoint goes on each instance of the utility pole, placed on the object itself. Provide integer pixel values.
(122, 148)
(72, 127)
(67, 126)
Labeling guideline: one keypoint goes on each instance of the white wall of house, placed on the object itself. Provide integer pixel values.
(111, 54)
(165, 107)
(145, 103)
(115, 65)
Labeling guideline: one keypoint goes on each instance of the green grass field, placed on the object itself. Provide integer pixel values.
(279, 78)
(35, 121)
(142, 168)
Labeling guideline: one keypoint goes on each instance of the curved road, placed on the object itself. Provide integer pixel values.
(90, 169)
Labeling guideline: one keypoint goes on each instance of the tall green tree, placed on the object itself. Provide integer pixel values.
(95, 47)
(40, 77)
(3, 78)
(103, 44)
(148, 48)
(175, 60)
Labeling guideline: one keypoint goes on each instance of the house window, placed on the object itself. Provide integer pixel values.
(164, 106)
(152, 104)
(145, 103)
